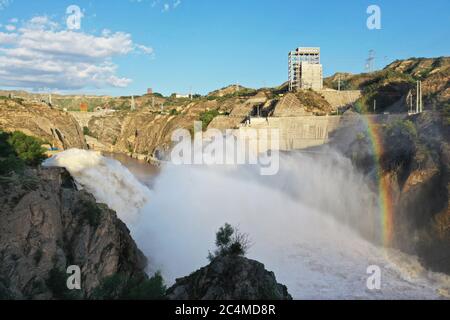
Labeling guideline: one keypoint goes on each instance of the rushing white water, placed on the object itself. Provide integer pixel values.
(291, 219)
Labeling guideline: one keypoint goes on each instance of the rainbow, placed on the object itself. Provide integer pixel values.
(385, 203)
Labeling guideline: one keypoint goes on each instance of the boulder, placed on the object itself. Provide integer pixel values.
(229, 278)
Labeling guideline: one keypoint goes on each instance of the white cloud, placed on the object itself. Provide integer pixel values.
(10, 27)
(145, 49)
(40, 54)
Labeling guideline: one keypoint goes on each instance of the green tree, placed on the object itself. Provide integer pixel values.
(230, 241)
(27, 148)
(18, 150)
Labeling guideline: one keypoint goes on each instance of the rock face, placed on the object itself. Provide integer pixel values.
(48, 225)
(141, 132)
(39, 120)
(415, 167)
(229, 278)
(391, 86)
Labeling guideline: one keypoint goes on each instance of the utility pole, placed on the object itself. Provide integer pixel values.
(417, 97)
(409, 102)
(133, 104)
(374, 106)
(339, 83)
(421, 96)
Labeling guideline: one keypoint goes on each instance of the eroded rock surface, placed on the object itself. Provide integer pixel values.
(230, 278)
(46, 224)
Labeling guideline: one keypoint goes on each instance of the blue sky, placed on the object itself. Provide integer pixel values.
(174, 45)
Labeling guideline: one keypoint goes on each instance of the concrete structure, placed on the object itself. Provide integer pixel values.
(303, 132)
(299, 132)
(305, 70)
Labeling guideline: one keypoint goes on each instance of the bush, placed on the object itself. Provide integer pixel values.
(26, 148)
(57, 283)
(86, 131)
(229, 241)
(121, 287)
(91, 212)
(11, 164)
(208, 116)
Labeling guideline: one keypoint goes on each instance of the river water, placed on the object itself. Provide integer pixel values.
(173, 213)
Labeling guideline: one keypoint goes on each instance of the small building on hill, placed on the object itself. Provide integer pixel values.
(84, 107)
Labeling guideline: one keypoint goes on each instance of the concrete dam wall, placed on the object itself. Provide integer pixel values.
(298, 132)
(304, 132)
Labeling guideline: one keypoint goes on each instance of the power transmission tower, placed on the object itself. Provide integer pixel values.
(370, 62)
(421, 97)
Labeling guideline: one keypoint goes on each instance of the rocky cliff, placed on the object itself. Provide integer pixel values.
(40, 120)
(415, 169)
(46, 225)
(229, 278)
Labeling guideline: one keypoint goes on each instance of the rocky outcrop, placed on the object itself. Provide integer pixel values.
(421, 190)
(39, 120)
(142, 132)
(391, 86)
(229, 278)
(48, 225)
(415, 169)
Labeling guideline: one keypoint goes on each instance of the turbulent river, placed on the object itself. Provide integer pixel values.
(301, 221)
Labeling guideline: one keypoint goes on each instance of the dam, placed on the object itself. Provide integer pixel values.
(303, 132)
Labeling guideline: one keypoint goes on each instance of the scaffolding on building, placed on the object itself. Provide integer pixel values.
(305, 70)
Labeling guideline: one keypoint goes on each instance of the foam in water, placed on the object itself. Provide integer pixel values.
(293, 219)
